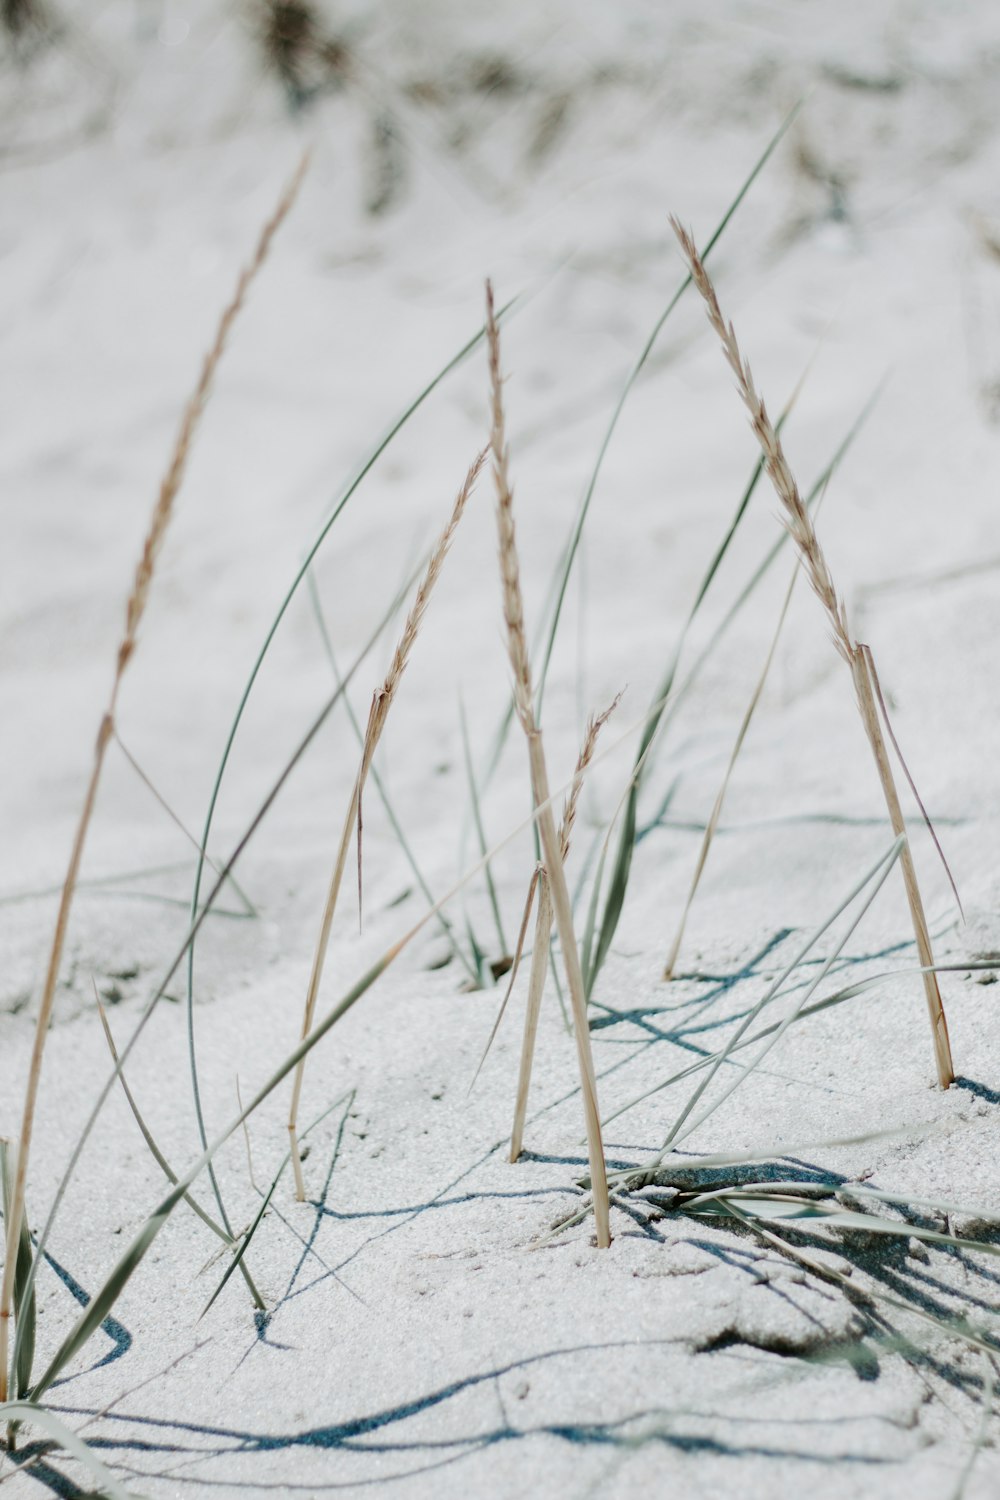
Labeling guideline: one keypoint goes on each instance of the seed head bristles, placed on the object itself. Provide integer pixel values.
(595, 724)
(555, 884)
(133, 616)
(798, 522)
(513, 607)
(383, 697)
(377, 715)
(796, 518)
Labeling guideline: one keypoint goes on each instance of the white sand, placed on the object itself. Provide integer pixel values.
(418, 1337)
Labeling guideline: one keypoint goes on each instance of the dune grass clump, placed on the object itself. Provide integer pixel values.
(856, 655)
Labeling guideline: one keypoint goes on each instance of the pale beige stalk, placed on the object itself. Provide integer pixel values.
(517, 647)
(134, 611)
(543, 930)
(799, 523)
(379, 712)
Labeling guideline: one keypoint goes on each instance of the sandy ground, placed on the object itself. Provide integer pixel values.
(424, 1334)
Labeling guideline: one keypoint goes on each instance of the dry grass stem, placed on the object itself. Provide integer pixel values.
(543, 930)
(517, 647)
(595, 724)
(796, 517)
(798, 522)
(135, 609)
(379, 712)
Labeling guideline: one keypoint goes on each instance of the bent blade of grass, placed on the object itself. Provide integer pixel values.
(797, 1190)
(40, 1416)
(801, 1210)
(957, 1327)
(349, 491)
(135, 609)
(153, 789)
(107, 1295)
(161, 1160)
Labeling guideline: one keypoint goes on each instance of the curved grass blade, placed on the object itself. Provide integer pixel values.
(161, 1160)
(798, 1209)
(248, 907)
(351, 489)
(40, 1416)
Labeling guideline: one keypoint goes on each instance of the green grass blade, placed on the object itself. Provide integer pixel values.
(161, 1160)
(477, 815)
(569, 557)
(24, 1292)
(40, 1416)
(319, 539)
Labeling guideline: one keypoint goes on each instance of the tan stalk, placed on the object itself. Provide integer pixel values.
(543, 931)
(799, 523)
(379, 712)
(523, 701)
(135, 609)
